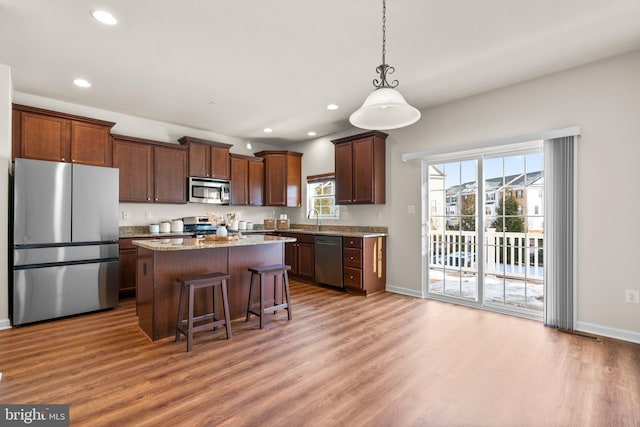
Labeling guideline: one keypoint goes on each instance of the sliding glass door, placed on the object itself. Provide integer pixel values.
(484, 227)
(453, 237)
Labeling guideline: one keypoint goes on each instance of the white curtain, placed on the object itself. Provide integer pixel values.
(559, 190)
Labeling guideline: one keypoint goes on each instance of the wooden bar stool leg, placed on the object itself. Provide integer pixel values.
(190, 326)
(285, 283)
(215, 305)
(250, 296)
(261, 300)
(275, 292)
(180, 313)
(225, 305)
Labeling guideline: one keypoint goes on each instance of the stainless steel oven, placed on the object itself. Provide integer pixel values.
(209, 190)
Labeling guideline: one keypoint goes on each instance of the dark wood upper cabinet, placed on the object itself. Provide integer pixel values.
(50, 135)
(170, 174)
(134, 159)
(239, 186)
(283, 178)
(360, 168)
(209, 159)
(256, 181)
(247, 180)
(150, 171)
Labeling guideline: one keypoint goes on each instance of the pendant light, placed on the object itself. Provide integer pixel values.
(385, 107)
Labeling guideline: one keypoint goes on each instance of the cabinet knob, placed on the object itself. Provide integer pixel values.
(64, 160)
(156, 199)
(351, 277)
(148, 198)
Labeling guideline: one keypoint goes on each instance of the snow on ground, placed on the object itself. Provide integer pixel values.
(496, 289)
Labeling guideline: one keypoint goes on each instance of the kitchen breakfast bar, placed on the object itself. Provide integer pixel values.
(161, 261)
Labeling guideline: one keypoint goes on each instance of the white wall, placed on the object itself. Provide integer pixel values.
(6, 88)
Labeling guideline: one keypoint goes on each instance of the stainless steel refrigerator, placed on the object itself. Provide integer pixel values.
(65, 234)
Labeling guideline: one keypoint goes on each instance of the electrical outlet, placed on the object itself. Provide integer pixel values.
(411, 209)
(632, 296)
(125, 215)
(147, 215)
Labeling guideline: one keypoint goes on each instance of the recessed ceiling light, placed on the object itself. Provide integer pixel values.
(81, 83)
(104, 17)
(332, 107)
(268, 130)
(312, 133)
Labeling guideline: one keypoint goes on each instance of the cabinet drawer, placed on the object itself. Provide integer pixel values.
(352, 277)
(352, 242)
(352, 257)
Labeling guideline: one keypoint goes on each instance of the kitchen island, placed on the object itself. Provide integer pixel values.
(161, 261)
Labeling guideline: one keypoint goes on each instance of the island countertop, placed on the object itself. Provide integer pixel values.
(182, 244)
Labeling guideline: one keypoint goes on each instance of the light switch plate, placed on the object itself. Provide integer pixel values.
(411, 209)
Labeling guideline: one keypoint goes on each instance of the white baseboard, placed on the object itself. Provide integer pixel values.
(404, 291)
(605, 331)
(5, 324)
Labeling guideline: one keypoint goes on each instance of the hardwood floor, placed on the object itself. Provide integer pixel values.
(385, 360)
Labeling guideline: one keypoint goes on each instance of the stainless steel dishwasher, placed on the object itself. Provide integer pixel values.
(328, 251)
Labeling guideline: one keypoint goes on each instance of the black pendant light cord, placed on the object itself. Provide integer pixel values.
(383, 69)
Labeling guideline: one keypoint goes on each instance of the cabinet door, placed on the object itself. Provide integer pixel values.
(291, 256)
(220, 163)
(306, 260)
(136, 174)
(256, 182)
(276, 179)
(199, 159)
(170, 175)
(44, 137)
(363, 171)
(90, 144)
(344, 173)
(294, 181)
(239, 181)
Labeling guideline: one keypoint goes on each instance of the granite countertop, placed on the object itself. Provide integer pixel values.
(344, 231)
(181, 244)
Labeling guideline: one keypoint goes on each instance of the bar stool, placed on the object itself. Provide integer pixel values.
(188, 287)
(260, 273)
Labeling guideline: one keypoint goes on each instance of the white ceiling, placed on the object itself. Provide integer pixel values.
(279, 63)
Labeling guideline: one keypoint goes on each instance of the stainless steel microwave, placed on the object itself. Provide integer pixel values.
(209, 190)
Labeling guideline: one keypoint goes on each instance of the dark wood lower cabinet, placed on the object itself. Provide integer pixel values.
(300, 255)
(364, 264)
(127, 264)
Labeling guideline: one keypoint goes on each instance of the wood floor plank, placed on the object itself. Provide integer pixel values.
(385, 360)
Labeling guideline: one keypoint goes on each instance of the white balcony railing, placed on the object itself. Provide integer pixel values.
(510, 255)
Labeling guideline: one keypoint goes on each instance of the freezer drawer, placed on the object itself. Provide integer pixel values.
(61, 254)
(51, 292)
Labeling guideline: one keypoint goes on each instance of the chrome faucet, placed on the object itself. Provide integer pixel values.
(314, 210)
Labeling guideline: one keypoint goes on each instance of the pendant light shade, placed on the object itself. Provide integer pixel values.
(384, 108)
